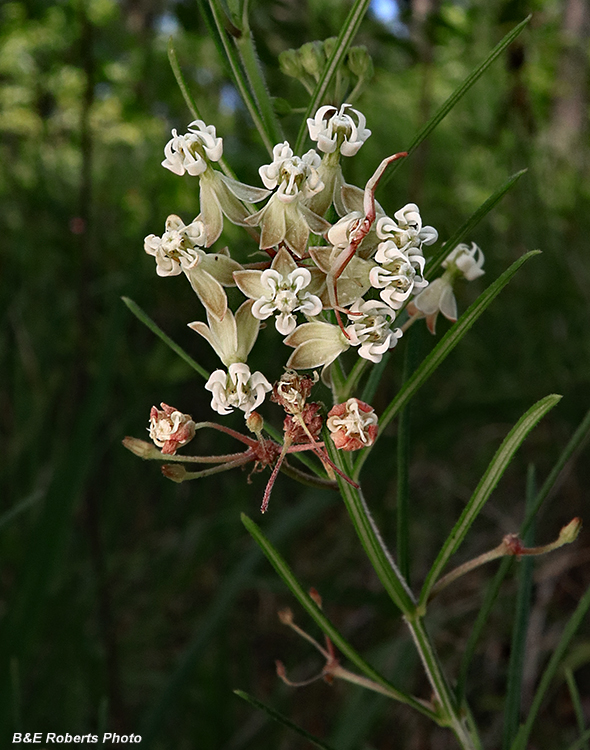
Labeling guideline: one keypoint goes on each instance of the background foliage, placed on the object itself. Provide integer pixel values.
(135, 605)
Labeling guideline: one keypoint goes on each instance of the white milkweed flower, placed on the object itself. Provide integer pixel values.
(469, 260)
(439, 296)
(335, 129)
(219, 195)
(399, 274)
(407, 230)
(371, 329)
(175, 250)
(280, 289)
(293, 175)
(286, 218)
(189, 152)
(179, 250)
(237, 389)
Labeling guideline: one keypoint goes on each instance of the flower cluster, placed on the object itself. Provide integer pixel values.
(353, 284)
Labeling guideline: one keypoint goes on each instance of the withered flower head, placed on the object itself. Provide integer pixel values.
(292, 390)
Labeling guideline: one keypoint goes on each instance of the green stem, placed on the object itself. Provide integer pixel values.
(240, 81)
(251, 63)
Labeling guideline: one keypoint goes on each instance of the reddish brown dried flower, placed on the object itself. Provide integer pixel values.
(352, 425)
(294, 430)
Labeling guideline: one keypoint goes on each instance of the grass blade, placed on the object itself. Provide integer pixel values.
(286, 574)
(574, 444)
(519, 631)
(347, 34)
(582, 742)
(465, 229)
(147, 321)
(282, 719)
(21, 506)
(239, 578)
(577, 703)
(573, 624)
(458, 94)
(444, 347)
(239, 79)
(484, 489)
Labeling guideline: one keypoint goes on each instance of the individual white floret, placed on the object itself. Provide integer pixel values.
(237, 389)
(406, 230)
(279, 289)
(293, 175)
(399, 274)
(189, 152)
(332, 129)
(371, 329)
(469, 260)
(174, 250)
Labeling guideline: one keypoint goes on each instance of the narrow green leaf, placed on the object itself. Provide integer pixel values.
(458, 94)
(282, 719)
(582, 742)
(519, 628)
(375, 378)
(370, 538)
(444, 347)
(578, 710)
(187, 96)
(465, 229)
(286, 574)
(250, 61)
(488, 482)
(189, 100)
(575, 443)
(237, 74)
(147, 321)
(21, 506)
(345, 37)
(573, 624)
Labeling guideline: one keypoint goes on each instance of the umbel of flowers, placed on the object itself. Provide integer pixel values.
(340, 274)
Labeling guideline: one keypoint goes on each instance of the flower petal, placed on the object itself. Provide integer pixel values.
(208, 290)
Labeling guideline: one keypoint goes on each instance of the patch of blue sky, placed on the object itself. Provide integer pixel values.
(388, 12)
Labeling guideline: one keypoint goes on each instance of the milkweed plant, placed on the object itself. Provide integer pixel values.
(325, 265)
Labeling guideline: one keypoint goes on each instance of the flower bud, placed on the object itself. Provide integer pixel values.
(255, 423)
(141, 448)
(285, 616)
(329, 46)
(570, 532)
(290, 63)
(176, 472)
(360, 63)
(312, 58)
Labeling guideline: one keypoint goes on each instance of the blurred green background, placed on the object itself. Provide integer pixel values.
(131, 604)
